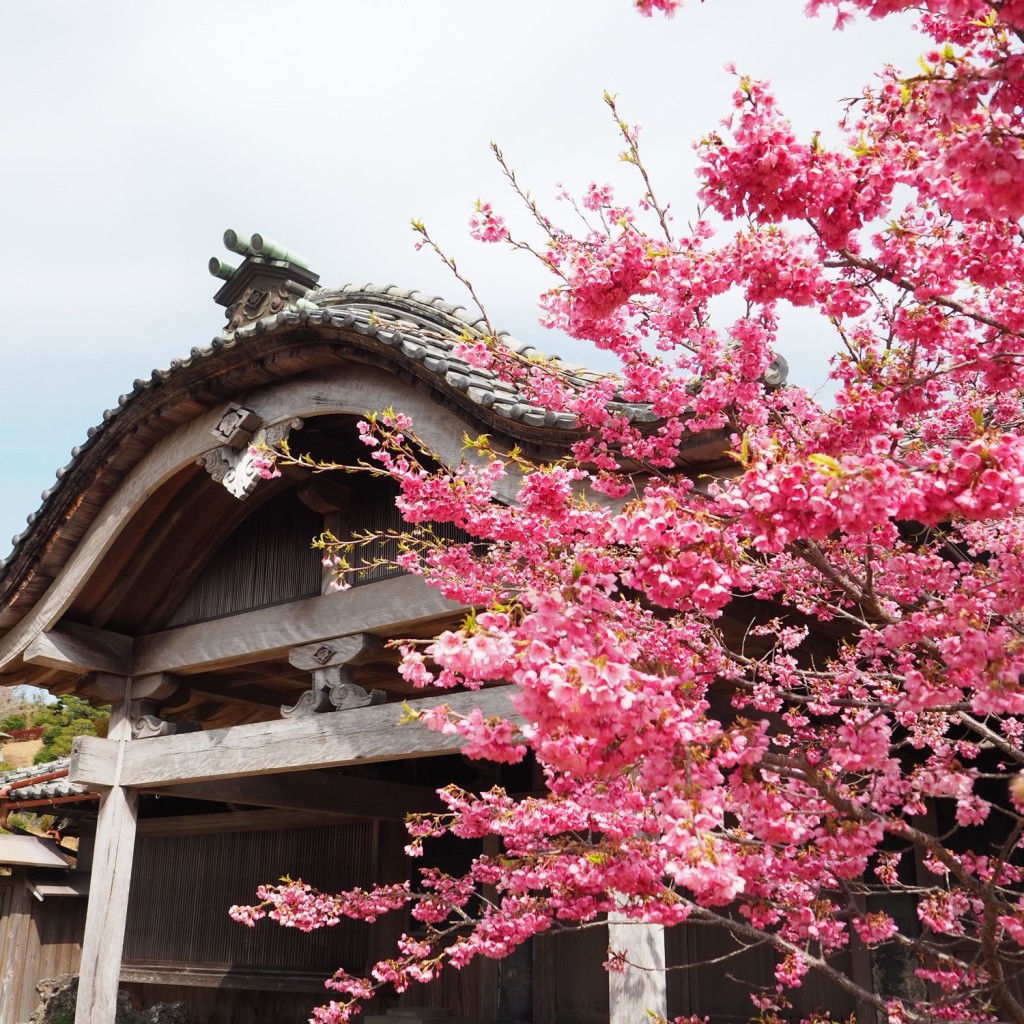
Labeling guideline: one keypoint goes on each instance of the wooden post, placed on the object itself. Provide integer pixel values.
(113, 852)
(640, 990)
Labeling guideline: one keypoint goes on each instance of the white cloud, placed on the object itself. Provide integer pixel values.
(135, 133)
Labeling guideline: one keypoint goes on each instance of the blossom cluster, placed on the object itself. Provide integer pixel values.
(760, 689)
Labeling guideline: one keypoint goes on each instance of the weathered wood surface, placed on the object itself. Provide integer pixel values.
(109, 884)
(15, 937)
(317, 791)
(80, 649)
(569, 984)
(199, 976)
(220, 822)
(386, 606)
(108, 687)
(344, 390)
(364, 736)
(31, 851)
(354, 649)
(638, 993)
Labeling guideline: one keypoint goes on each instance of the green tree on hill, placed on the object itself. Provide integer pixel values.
(65, 719)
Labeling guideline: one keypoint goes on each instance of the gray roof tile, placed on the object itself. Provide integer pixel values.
(43, 790)
(422, 327)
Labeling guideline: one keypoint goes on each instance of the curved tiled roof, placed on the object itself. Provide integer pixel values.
(421, 328)
(406, 329)
(49, 790)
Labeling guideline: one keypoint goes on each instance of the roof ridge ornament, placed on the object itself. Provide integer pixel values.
(269, 278)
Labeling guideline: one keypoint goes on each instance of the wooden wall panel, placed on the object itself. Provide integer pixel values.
(37, 940)
(9, 928)
(183, 885)
(713, 974)
(60, 924)
(267, 560)
(570, 985)
(226, 1006)
(458, 991)
(17, 983)
(707, 962)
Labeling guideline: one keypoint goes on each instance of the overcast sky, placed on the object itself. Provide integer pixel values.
(134, 133)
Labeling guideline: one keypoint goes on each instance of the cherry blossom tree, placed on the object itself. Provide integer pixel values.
(764, 698)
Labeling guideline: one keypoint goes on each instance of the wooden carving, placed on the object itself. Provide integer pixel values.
(237, 469)
(333, 690)
(354, 649)
(237, 426)
(262, 299)
(146, 723)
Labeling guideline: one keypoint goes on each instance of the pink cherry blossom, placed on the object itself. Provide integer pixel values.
(768, 650)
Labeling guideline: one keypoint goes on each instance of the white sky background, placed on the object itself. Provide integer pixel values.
(132, 134)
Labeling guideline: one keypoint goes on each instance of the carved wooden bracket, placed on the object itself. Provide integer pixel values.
(145, 721)
(233, 464)
(333, 688)
(149, 694)
(147, 726)
(237, 426)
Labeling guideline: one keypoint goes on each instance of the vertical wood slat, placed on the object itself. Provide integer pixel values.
(716, 973)
(59, 925)
(27, 956)
(171, 920)
(37, 941)
(570, 985)
(268, 559)
(374, 511)
(710, 959)
(15, 915)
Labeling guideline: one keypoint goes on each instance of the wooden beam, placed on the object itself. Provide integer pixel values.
(200, 976)
(80, 649)
(362, 736)
(250, 695)
(317, 791)
(387, 607)
(259, 819)
(109, 881)
(354, 649)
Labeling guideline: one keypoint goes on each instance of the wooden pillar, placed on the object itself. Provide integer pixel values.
(109, 880)
(640, 990)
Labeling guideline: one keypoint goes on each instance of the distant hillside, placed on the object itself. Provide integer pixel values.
(19, 753)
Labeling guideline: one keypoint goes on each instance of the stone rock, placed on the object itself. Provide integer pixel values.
(57, 998)
(162, 1013)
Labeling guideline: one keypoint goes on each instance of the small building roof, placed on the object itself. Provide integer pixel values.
(31, 851)
(50, 789)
